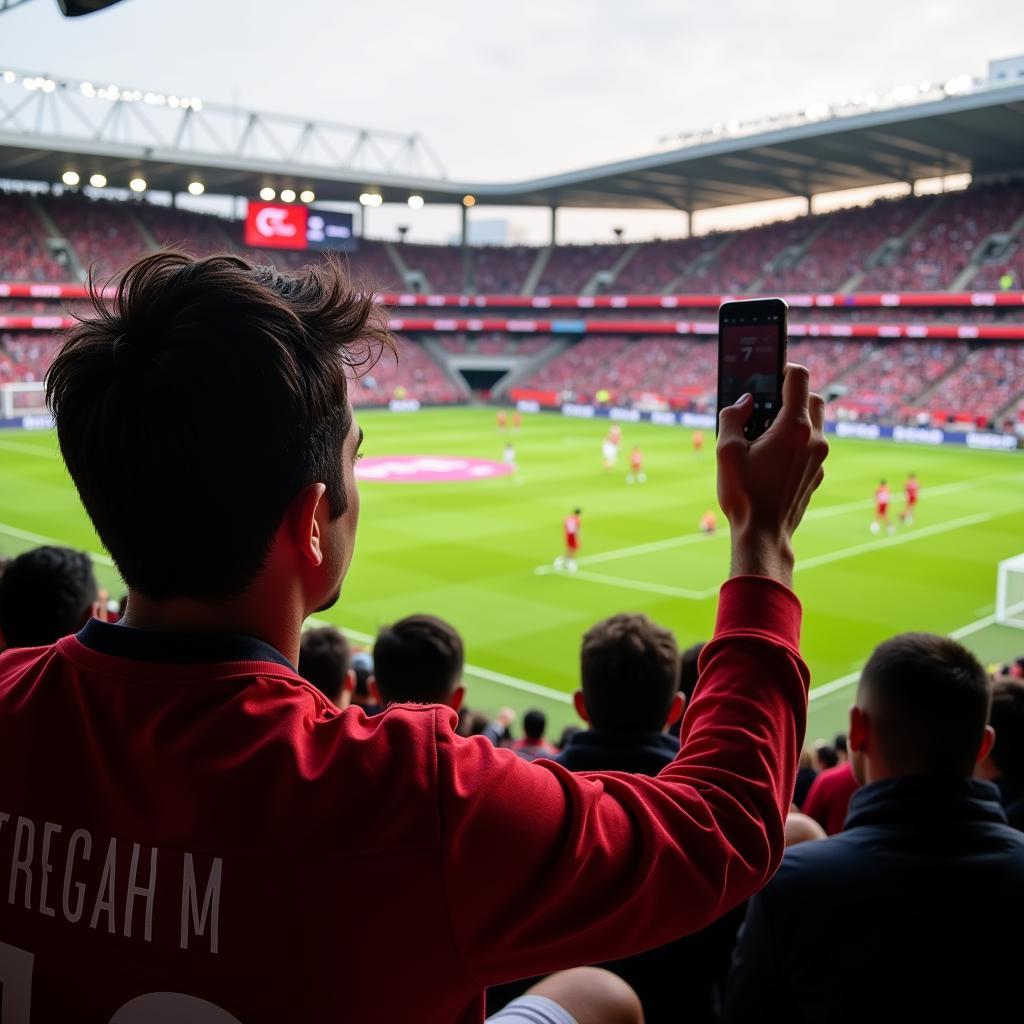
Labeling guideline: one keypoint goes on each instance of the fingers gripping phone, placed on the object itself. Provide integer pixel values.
(752, 358)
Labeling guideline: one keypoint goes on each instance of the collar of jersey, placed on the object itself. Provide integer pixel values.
(175, 648)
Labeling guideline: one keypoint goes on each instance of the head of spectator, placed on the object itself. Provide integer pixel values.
(802, 828)
(418, 660)
(276, 454)
(535, 724)
(629, 671)
(1006, 758)
(362, 666)
(46, 593)
(922, 708)
(567, 734)
(689, 673)
(824, 755)
(325, 661)
(839, 745)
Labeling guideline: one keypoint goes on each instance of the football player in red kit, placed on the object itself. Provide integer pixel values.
(698, 441)
(882, 497)
(571, 526)
(636, 466)
(910, 489)
(502, 419)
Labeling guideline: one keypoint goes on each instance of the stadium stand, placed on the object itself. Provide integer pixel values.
(501, 270)
(440, 265)
(103, 233)
(572, 266)
(944, 246)
(1009, 268)
(23, 252)
(987, 380)
(892, 375)
(658, 264)
(413, 375)
(26, 356)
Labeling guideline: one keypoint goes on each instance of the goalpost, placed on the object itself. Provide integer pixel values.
(1010, 592)
(23, 398)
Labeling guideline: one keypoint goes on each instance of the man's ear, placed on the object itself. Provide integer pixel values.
(303, 518)
(676, 709)
(987, 741)
(581, 706)
(371, 685)
(348, 687)
(860, 730)
(458, 695)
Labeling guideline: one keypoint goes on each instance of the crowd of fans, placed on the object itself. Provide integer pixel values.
(24, 255)
(912, 761)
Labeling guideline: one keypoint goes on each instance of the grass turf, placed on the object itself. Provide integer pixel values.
(471, 551)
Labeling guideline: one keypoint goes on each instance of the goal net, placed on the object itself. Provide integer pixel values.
(1010, 592)
(23, 399)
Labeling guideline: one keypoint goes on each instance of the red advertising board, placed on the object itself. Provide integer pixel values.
(276, 226)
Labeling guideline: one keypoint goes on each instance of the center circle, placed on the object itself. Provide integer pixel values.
(427, 469)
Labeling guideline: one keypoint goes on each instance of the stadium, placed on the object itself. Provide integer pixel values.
(488, 428)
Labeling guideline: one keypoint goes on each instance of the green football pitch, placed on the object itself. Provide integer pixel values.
(480, 553)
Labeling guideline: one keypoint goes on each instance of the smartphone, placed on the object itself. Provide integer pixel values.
(752, 358)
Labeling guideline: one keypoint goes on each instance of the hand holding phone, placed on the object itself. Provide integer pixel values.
(752, 358)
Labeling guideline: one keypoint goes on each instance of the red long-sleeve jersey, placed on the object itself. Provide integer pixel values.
(189, 831)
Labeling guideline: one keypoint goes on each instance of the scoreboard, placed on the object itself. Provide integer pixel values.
(284, 226)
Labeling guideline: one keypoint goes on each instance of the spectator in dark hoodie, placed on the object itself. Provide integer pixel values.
(1005, 763)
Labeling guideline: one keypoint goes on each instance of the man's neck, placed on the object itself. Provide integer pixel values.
(279, 624)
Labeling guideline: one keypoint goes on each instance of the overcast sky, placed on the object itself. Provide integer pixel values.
(505, 91)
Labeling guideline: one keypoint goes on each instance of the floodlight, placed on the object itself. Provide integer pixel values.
(469, 200)
(267, 194)
(196, 188)
(70, 178)
(137, 184)
(98, 181)
(416, 202)
(307, 195)
(287, 195)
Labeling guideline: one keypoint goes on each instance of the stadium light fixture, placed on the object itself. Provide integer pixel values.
(416, 202)
(70, 178)
(137, 184)
(98, 180)
(196, 188)
(371, 199)
(267, 194)
(287, 195)
(469, 200)
(307, 195)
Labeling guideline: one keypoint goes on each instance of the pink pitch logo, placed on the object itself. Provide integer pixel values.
(427, 469)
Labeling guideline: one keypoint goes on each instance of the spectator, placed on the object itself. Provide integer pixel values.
(629, 672)
(839, 745)
(362, 665)
(630, 677)
(533, 744)
(567, 734)
(824, 756)
(325, 661)
(1005, 762)
(46, 593)
(689, 672)
(805, 775)
(184, 738)
(928, 878)
(828, 798)
(585, 995)
(418, 660)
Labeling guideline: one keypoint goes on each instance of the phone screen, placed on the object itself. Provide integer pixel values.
(751, 358)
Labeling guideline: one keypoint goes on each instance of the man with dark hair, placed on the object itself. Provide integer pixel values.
(927, 877)
(362, 667)
(325, 660)
(1005, 762)
(418, 660)
(629, 695)
(629, 673)
(46, 593)
(181, 815)
(533, 745)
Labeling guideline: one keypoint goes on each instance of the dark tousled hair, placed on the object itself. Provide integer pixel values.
(324, 660)
(1007, 718)
(206, 386)
(629, 670)
(928, 699)
(418, 660)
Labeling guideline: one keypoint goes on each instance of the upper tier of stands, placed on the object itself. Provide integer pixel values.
(926, 243)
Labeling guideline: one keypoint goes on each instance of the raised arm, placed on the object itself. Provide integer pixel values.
(544, 869)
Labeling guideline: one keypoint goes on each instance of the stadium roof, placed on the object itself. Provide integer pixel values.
(981, 132)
